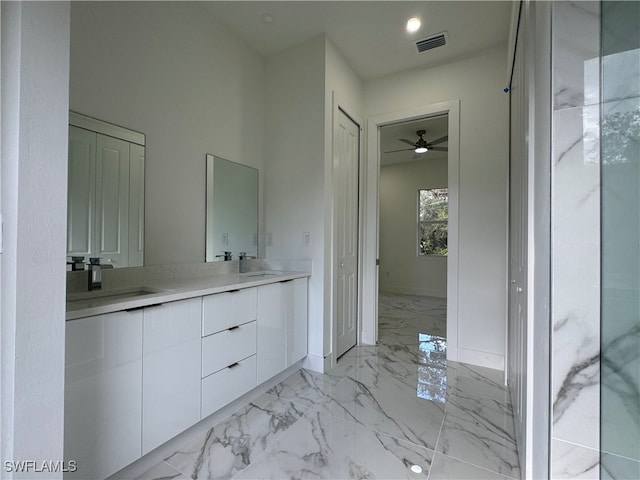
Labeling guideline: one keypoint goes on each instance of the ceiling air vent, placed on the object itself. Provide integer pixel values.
(429, 43)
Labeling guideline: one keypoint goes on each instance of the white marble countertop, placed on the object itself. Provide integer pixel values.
(87, 304)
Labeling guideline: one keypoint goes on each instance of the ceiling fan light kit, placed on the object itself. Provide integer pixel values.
(422, 146)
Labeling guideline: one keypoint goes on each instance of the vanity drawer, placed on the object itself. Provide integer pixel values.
(229, 346)
(224, 386)
(223, 310)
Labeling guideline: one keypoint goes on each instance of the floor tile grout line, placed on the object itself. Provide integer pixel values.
(437, 452)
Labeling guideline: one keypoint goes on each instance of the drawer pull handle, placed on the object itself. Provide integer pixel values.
(286, 281)
(233, 365)
(233, 291)
(234, 328)
(134, 309)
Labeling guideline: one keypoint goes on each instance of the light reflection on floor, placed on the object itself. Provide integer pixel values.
(407, 316)
(432, 376)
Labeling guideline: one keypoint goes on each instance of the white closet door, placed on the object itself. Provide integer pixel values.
(345, 165)
(81, 192)
(112, 201)
(136, 205)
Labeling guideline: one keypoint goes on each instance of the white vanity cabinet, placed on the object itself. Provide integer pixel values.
(135, 379)
(228, 347)
(282, 326)
(296, 317)
(171, 370)
(103, 393)
(225, 310)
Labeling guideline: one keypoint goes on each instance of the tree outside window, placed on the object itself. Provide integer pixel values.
(433, 215)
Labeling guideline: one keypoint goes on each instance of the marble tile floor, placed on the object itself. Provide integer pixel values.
(383, 412)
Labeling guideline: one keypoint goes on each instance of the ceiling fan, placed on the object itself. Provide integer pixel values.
(422, 146)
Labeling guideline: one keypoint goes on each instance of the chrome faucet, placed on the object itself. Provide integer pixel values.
(243, 257)
(95, 273)
(77, 263)
(227, 256)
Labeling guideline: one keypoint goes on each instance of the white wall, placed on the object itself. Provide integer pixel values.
(300, 83)
(482, 279)
(294, 179)
(402, 270)
(35, 77)
(343, 89)
(170, 71)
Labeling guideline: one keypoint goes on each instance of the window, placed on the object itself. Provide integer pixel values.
(433, 214)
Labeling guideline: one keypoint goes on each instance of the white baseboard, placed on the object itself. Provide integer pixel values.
(482, 359)
(317, 363)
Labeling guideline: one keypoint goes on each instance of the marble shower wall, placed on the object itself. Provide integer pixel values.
(575, 369)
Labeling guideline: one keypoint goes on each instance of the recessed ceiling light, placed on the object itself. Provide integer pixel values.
(268, 18)
(413, 24)
(416, 468)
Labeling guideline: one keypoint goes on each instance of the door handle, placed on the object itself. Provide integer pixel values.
(341, 264)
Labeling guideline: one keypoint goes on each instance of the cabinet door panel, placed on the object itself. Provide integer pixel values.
(103, 393)
(81, 192)
(225, 310)
(112, 200)
(271, 331)
(171, 370)
(296, 315)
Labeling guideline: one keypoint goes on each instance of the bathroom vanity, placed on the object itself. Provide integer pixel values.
(145, 363)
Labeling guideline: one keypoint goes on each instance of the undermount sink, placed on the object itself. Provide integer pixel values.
(256, 275)
(97, 298)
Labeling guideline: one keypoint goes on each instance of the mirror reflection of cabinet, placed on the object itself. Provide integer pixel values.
(232, 209)
(105, 212)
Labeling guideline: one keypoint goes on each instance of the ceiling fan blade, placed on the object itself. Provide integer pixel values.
(439, 149)
(409, 142)
(403, 150)
(440, 140)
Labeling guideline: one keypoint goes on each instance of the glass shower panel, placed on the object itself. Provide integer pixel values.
(620, 242)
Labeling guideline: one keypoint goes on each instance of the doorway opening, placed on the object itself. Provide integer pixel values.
(391, 258)
(413, 216)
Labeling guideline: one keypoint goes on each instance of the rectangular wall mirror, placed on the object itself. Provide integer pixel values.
(232, 209)
(105, 209)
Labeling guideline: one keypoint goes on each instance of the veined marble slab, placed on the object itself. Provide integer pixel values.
(321, 446)
(231, 446)
(576, 276)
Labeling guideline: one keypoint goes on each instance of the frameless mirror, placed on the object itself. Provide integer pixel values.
(105, 207)
(232, 209)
